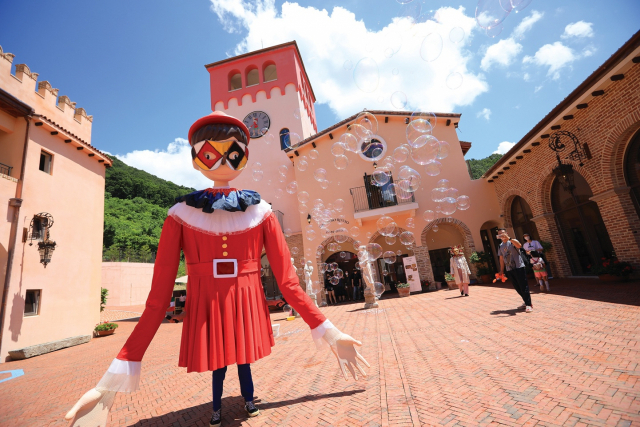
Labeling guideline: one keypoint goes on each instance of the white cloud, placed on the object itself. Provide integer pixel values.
(172, 164)
(578, 29)
(503, 147)
(526, 24)
(328, 39)
(555, 56)
(526, 77)
(502, 53)
(486, 113)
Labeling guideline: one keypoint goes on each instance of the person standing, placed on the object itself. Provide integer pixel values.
(511, 260)
(349, 281)
(539, 270)
(356, 285)
(534, 245)
(329, 288)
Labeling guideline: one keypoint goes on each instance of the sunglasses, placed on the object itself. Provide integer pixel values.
(210, 155)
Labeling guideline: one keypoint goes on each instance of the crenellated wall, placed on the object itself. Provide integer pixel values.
(43, 97)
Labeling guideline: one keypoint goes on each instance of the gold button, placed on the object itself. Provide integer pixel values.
(224, 254)
(224, 245)
(224, 237)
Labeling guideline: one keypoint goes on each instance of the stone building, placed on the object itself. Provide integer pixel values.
(52, 210)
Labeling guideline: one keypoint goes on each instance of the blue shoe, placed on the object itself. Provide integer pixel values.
(251, 409)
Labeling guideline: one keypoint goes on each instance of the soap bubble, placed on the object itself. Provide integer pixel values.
(464, 203)
(348, 65)
(432, 168)
(334, 280)
(292, 187)
(495, 31)
(283, 169)
(320, 174)
(390, 240)
(388, 52)
(341, 162)
(490, 13)
(314, 154)
(410, 11)
(431, 47)
(409, 179)
(425, 153)
(354, 231)
(324, 184)
(448, 205)
(435, 228)
(443, 183)
(368, 122)
(400, 154)
(518, 5)
(337, 149)
(456, 35)
(443, 150)
(398, 252)
(452, 192)
(407, 186)
(269, 138)
(368, 234)
(338, 205)
(407, 238)
(386, 226)
(343, 254)
(380, 178)
(429, 215)
(338, 273)
(294, 139)
(430, 118)
(296, 113)
(294, 250)
(399, 100)
(454, 80)
(410, 223)
(350, 142)
(437, 194)
(257, 166)
(287, 310)
(257, 175)
(333, 266)
(378, 289)
(303, 209)
(302, 165)
(366, 75)
(385, 273)
(374, 250)
(318, 203)
(303, 197)
(389, 257)
(279, 193)
(311, 234)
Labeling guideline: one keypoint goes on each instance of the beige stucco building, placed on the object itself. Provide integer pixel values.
(51, 190)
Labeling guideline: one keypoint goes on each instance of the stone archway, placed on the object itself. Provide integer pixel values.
(508, 198)
(325, 242)
(614, 150)
(467, 238)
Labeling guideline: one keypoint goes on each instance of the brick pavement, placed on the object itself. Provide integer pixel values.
(436, 359)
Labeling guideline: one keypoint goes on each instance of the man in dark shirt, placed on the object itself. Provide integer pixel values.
(509, 252)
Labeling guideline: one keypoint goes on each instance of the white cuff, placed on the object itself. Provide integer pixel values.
(319, 332)
(122, 376)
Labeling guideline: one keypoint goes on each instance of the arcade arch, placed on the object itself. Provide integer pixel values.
(454, 232)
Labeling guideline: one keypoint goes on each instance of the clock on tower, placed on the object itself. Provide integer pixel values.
(258, 123)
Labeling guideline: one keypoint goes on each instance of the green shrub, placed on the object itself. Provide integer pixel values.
(106, 326)
(449, 278)
(402, 285)
(103, 298)
(613, 267)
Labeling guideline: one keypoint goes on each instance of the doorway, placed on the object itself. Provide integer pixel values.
(440, 263)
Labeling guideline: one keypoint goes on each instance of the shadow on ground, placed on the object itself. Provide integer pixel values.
(233, 413)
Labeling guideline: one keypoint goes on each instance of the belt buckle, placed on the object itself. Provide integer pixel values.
(223, 265)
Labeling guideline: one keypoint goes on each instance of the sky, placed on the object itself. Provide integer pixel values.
(138, 67)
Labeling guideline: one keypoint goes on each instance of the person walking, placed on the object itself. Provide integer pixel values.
(511, 260)
(539, 270)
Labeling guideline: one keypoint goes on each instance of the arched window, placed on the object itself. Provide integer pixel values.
(285, 139)
(235, 82)
(632, 170)
(252, 77)
(581, 227)
(521, 219)
(270, 73)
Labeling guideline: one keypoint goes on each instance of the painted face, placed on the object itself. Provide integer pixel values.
(210, 155)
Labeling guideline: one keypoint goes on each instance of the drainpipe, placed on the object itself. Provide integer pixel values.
(15, 203)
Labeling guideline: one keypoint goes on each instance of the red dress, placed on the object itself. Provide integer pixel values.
(227, 320)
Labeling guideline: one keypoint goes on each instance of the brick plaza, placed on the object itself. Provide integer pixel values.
(436, 359)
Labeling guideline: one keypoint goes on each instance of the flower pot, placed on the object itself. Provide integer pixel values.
(485, 278)
(452, 285)
(609, 278)
(404, 292)
(105, 333)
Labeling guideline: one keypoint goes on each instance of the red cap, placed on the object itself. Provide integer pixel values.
(218, 117)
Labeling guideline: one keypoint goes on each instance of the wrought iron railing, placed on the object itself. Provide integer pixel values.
(372, 197)
(5, 169)
(280, 218)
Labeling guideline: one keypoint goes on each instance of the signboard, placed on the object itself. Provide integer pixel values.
(411, 270)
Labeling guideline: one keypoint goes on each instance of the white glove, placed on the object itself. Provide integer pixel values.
(343, 347)
(92, 410)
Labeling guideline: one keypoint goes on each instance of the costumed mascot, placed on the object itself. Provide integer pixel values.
(222, 232)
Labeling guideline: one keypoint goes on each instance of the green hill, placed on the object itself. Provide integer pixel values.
(135, 207)
(480, 166)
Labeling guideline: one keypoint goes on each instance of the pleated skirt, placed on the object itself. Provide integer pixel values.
(227, 322)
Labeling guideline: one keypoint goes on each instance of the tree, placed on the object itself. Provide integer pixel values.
(478, 167)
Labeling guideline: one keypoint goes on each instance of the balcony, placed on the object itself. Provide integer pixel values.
(371, 201)
(5, 169)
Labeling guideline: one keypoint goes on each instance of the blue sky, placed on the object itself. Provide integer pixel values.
(138, 67)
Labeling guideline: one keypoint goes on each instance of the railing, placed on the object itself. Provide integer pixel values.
(5, 169)
(127, 255)
(368, 198)
(280, 217)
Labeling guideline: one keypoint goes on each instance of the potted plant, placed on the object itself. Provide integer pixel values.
(482, 260)
(403, 289)
(451, 281)
(105, 328)
(611, 270)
